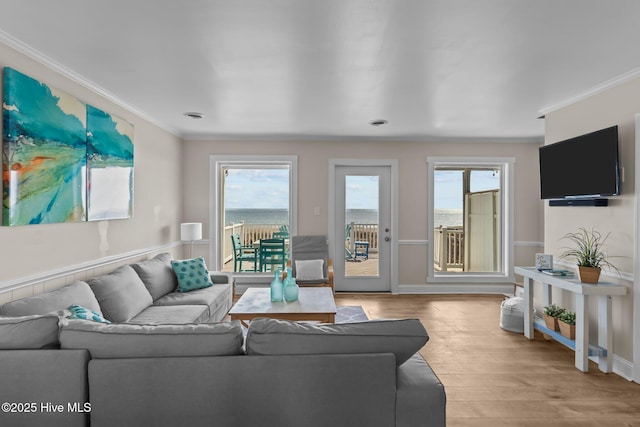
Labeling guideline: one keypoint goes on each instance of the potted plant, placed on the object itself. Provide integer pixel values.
(588, 251)
(550, 316)
(567, 323)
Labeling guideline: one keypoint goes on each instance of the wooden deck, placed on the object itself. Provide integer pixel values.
(359, 268)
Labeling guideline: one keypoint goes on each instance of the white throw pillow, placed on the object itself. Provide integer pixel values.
(310, 269)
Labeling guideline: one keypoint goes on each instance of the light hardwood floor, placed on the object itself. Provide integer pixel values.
(497, 378)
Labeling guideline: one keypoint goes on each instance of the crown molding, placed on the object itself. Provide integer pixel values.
(611, 83)
(52, 64)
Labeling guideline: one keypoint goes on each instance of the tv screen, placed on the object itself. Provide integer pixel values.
(584, 166)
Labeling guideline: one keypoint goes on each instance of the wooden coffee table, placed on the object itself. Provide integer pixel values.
(313, 304)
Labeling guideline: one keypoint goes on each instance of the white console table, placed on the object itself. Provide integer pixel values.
(582, 292)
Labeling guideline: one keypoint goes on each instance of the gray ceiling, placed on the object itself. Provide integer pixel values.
(323, 69)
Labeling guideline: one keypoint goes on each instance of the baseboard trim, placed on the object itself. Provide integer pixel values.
(623, 367)
(457, 288)
(21, 282)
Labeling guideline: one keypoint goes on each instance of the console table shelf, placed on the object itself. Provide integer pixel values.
(581, 292)
(594, 350)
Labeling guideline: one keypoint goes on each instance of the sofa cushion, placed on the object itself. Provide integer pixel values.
(400, 337)
(59, 299)
(212, 297)
(126, 340)
(177, 314)
(157, 275)
(192, 274)
(82, 313)
(121, 294)
(29, 332)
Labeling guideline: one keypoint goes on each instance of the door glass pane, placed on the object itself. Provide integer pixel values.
(362, 194)
(467, 220)
(255, 206)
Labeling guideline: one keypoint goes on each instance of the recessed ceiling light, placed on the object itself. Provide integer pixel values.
(378, 122)
(194, 115)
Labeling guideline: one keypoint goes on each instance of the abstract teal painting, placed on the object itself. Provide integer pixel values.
(43, 153)
(110, 166)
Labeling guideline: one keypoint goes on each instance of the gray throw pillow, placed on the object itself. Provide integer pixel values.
(29, 332)
(274, 337)
(121, 294)
(59, 299)
(119, 341)
(157, 275)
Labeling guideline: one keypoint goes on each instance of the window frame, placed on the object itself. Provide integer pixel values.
(217, 165)
(507, 172)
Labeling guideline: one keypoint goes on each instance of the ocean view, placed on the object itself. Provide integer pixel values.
(448, 218)
(445, 217)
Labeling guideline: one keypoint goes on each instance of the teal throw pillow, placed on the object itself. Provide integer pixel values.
(192, 274)
(79, 312)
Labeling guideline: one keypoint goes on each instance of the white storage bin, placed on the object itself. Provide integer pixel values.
(512, 314)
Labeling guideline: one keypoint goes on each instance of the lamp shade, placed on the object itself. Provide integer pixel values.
(191, 231)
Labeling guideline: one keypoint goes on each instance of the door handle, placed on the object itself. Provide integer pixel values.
(386, 239)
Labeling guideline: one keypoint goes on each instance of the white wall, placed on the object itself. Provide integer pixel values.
(615, 106)
(33, 250)
(313, 180)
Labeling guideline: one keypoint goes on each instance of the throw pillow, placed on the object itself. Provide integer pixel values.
(79, 312)
(312, 269)
(192, 274)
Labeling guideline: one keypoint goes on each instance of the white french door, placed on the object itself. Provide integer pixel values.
(362, 234)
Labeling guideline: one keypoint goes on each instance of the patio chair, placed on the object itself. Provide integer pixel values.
(272, 254)
(243, 253)
(360, 248)
(311, 249)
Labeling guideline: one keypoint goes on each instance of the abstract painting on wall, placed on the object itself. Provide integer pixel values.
(62, 160)
(43, 153)
(110, 166)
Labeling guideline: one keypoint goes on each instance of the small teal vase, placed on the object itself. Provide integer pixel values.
(277, 292)
(290, 287)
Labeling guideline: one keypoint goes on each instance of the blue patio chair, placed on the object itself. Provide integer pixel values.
(272, 254)
(243, 253)
(360, 248)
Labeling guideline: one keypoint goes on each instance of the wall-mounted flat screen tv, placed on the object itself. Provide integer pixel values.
(584, 166)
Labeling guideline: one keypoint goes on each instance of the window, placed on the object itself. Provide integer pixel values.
(470, 222)
(252, 197)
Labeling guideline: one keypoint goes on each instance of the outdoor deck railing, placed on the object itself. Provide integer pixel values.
(250, 233)
(448, 248)
(366, 233)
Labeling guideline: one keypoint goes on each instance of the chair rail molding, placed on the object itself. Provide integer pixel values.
(74, 269)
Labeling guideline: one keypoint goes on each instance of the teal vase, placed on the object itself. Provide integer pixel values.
(290, 287)
(277, 293)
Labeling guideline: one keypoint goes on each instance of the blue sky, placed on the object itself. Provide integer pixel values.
(257, 189)
(448, 186)
(269, 189)
(361, 192)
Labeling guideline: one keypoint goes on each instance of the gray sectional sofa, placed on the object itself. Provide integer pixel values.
(143, 293)
(164, 363)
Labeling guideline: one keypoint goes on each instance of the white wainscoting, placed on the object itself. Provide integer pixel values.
(42, 282)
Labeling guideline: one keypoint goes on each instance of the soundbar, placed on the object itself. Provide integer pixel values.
(580, 202)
